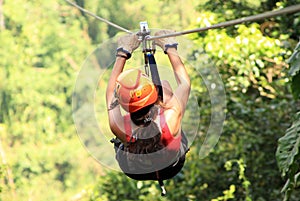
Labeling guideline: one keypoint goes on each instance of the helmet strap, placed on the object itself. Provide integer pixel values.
(144, 120)
(148, 118)
(113, 104)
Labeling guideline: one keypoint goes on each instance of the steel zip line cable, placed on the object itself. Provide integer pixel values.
(287, 10)
(99, 18)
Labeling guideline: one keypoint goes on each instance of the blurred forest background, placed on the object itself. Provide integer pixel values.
(43, 45)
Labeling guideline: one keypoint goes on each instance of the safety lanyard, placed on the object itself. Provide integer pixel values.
(155, 75)
(148, 51)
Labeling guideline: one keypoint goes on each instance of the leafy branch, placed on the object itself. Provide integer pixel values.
(287, 153)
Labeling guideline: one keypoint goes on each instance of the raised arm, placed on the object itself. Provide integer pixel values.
(126, 45)
(169, 45)
(183, 80)
(179, 98)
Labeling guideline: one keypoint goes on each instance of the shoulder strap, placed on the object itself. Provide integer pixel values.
(166, 137)
(162, 121)
(127, 126)
(165, 132)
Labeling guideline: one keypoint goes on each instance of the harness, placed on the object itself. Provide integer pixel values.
(131, 167)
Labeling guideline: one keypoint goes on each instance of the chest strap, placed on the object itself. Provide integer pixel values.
(167, 138)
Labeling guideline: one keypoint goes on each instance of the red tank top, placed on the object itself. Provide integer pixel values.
(167, 138)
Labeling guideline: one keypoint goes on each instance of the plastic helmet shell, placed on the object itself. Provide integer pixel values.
(135, 90)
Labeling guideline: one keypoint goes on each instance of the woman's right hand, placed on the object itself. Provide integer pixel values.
(128, 43)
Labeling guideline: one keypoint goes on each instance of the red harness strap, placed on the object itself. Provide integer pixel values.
(167, 138)
(127, 125)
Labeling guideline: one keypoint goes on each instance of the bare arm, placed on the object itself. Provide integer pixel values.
(115, 117)
(116, 71)
(169, 46)
(179, 98)
(182, 91)
(127, 44)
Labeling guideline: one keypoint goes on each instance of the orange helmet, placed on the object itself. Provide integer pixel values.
(135, 90)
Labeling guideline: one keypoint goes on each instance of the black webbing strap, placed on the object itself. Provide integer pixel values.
(162, 187)
(156, 81)
(161, 184)
(155, 75)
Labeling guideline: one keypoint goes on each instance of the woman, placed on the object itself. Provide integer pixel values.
(152, 143)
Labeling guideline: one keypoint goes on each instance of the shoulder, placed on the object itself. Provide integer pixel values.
(117, 124)
(172, 115)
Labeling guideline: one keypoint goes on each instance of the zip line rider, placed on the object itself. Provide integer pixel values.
(149, 143)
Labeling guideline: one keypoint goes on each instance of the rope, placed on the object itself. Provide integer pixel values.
(99, 18)
(287, 10)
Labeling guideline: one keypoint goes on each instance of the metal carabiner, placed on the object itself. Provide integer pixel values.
(144, 34)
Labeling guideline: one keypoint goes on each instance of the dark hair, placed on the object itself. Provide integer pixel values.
(148, 135)
(141, 117)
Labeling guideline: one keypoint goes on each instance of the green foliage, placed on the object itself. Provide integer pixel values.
(38, 69)
(245, 182)
(45, 42)
(228, 194)
(251, 60)
(274, 27)
(287, 154)
(248, 60)
(117, 185)
(155, 13)
(256, 80)
(294, 72)
(249, 133)
(288, 157)
(295, 86)
(2, 176)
